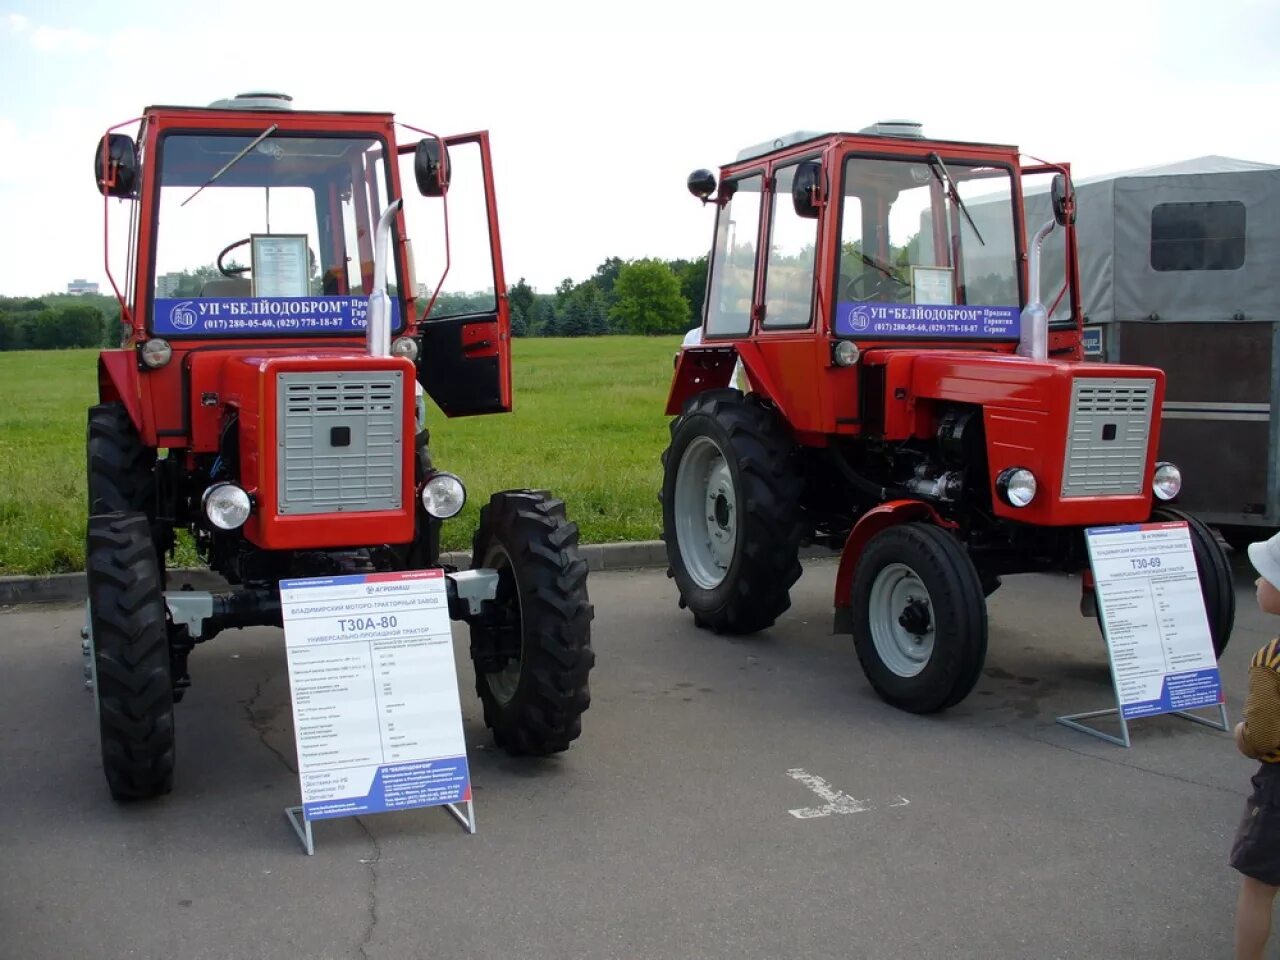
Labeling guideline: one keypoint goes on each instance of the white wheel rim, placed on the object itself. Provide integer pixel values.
(504, 683)
(706, 512)
(899, 595)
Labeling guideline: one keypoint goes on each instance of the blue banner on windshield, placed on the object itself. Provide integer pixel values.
(907, 320)
(263, 316)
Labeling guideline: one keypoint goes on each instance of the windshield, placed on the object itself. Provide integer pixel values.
(266, 233)
(912, 264)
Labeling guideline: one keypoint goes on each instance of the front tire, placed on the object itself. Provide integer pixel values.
(731, 512)
(1217, 585)
(532, 661)
(919, 618)
(131, 656)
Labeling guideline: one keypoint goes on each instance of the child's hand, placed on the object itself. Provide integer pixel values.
(1239, 738)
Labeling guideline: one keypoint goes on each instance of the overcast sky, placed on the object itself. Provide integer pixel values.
(599, 110)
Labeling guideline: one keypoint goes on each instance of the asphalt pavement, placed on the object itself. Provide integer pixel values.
(694, 819)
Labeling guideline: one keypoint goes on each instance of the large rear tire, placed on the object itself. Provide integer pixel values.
(131, 656)
(533, 662)
(919, 618)
(731, 514)
(1217, 585)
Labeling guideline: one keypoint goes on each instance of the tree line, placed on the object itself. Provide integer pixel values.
(647, 297)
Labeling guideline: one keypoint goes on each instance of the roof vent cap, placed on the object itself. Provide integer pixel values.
(255, 100)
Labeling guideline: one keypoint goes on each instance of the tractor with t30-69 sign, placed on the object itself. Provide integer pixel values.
(912, 402)
(273, 407)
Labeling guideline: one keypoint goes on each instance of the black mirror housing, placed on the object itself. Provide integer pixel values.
(115, 166)
(426, 167)
(702, 184)
(804, 187)
(1059, 194)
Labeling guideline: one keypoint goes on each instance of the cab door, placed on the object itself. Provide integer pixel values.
(464, 360)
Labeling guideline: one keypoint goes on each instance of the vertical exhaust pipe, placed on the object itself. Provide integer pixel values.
(1033, 337)
(378, 324)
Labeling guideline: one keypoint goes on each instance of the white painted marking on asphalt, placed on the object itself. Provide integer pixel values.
(837, 801)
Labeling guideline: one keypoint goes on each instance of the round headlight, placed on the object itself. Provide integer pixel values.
(1166, 481)
(226, 506)
(156, 353)
(443, 496)
(1016, 486)
(405, 347)
(845, 353)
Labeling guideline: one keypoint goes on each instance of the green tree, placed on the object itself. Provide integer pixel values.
(648, 300)
(693, 284)
(606, 277)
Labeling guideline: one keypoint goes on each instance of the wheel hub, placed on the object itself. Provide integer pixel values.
(915, 617)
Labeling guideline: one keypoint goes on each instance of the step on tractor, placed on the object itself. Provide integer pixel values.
(911, 401)
(269, 400)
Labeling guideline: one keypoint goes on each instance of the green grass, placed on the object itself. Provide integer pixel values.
(588, 425)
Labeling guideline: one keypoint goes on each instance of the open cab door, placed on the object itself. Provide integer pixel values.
(1059, 260)
(464, 359)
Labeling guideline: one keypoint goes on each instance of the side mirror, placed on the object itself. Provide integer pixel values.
(804, 187)
(426, 167)
(115, 166)
(702, 184)
(1064, 205)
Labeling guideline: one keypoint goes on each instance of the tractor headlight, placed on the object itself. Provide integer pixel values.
(443, 496)
(156, 353)
(405, 347)
(845, 353)
(1166, 481)
(1016, 486)
(226, 506)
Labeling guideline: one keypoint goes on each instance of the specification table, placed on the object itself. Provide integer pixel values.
(1154, 618)
(377, 717)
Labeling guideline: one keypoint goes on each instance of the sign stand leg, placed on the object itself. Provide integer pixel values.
(302, 827)
(468, 821)
(1072, 720)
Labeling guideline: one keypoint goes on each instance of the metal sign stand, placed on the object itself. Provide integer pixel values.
(302, 826)
(1072, 720)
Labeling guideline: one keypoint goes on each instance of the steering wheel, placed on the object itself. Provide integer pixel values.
(232, 271)
(875, 284)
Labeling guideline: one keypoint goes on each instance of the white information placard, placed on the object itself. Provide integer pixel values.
(1153, 615)
(376, 713)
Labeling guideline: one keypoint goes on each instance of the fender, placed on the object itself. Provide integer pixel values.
(118, 381)
(869, 524)
(710, 366)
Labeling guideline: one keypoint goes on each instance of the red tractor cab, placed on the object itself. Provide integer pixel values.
(914, 400)
(269, 401)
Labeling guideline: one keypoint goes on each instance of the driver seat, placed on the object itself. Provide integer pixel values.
(227, 287)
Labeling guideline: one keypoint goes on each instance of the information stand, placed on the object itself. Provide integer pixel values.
(376, 715)
(1156, 629)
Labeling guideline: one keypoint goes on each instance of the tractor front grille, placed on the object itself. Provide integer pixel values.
(1107, 437)
(340, 442)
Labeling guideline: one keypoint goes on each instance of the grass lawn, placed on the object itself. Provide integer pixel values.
(588, 425)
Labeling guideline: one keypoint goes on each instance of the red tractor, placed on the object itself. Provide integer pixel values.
(273, 407)
(911, 401)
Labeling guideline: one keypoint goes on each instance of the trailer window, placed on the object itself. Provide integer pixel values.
(733, 261)
(1198, 236)
(788, 282)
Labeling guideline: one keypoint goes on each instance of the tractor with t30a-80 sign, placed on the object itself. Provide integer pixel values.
(272, 405)
(911, 400)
